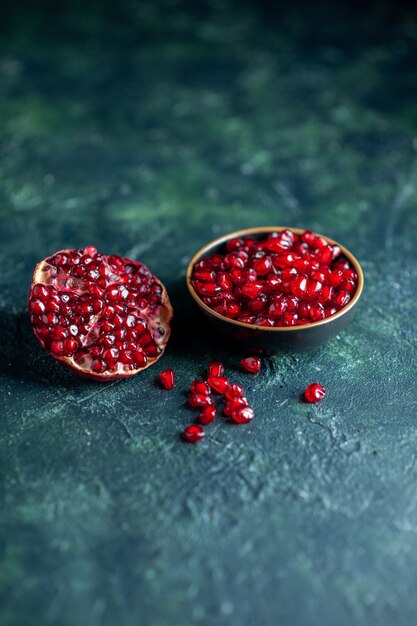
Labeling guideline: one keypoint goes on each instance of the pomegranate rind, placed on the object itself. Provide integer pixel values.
(163, 313)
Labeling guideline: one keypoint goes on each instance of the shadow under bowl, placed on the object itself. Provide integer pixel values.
(274, 339)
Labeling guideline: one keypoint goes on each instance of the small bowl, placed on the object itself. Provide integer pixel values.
(274, 339)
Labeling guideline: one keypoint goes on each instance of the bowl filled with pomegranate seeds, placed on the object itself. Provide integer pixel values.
(276, 288)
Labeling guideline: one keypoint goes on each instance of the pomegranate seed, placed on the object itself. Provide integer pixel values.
(207, 415)
(215, 369)
(219, 383)
(57, 347)
(349, 286)
(251, 290)
(236, 403)
(193, 433)
(209, 289)
(262, 266)
(317, 312)
(234, 244)
(206, 276)
(233, 260)
(197, 400)
(242, 415)
(341, 299)
(224, 281)
(232, 310)
(234, 391)
(251, 364)
(257, 305)
(200, 386)
(58, 333)
(167, 378)
(289, 319)
(70, 346)
(314, 393)
(236, 276)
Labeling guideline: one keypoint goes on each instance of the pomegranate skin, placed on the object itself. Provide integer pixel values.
(110, 330)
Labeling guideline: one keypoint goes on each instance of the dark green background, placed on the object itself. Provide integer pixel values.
(148, 128)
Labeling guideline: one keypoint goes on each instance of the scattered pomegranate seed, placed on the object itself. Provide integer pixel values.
(200, 386)
(215, 369)
(207, 415)
(234, 391)
(282, 279)
(251, 364)
(242, 415)
(219, 383)
(167, 378)
(314, 393)
(197, 400)
(233, 405)
(193, 433)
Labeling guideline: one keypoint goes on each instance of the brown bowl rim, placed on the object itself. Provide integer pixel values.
(269, 229)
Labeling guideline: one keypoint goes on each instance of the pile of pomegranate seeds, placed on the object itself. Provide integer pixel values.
(284, 279)
(314, 393)
(106, 317)
(236, 404)
(167, 378)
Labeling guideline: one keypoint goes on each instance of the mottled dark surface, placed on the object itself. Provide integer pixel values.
(147, 129)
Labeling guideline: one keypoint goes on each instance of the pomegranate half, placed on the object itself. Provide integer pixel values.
(105, 317)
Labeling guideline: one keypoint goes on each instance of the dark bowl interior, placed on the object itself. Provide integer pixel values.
(277, 339)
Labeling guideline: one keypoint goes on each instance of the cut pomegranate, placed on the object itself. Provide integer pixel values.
(219, 383)
(215, 369)
(314, 393)
(167, 378)
(207, 415)
(193, 433)
(106, 317)
(251, 364)
(283, 279)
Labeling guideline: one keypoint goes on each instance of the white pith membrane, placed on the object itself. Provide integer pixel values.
(92, 298)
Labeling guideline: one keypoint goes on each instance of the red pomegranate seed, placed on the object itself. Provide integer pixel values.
(234, 391)
(262, 266)
(209, 289)
(289, 319)
(235, 244)
(215, 369)
(314, 393)
(251, 364)
(225, 281)
(200, 387)
(167, 378)
(232, 310)
(236, 403)
(341, 299)
(207, 415)
(219, 383)
(197, 400)
(234, 260)
(193, 433)
(243, 415)
(258, 304)
(251, 290)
